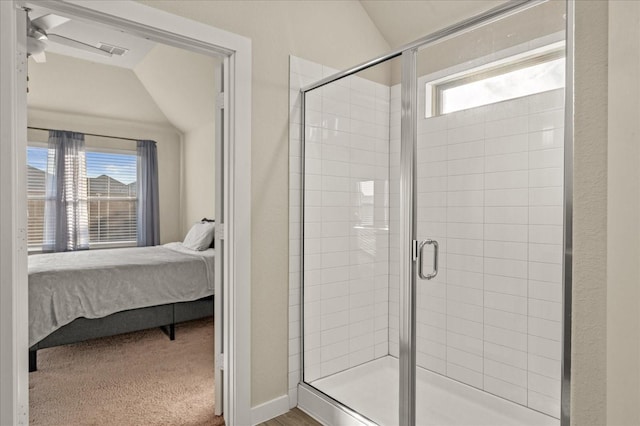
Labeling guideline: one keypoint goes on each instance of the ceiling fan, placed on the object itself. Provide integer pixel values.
(38, 37)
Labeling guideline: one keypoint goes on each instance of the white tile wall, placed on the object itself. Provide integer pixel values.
(490, 191)
(346, 220)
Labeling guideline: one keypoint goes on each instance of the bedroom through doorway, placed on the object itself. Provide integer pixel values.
(123, 158)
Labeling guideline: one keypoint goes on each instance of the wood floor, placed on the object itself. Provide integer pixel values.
(295, 417)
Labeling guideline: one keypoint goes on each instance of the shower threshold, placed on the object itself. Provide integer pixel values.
(371, 389)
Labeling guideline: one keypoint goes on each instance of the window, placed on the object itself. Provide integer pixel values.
(111, 183)
(500, 83)
(112, 198)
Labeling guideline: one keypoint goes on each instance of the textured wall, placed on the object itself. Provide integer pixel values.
(588, 374)
(198, 173)
(623, 216)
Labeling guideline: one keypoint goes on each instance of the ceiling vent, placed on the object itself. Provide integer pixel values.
(114, 50)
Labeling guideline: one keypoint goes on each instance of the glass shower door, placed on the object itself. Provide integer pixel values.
(433, 229)
(489, 185)
(350, 204)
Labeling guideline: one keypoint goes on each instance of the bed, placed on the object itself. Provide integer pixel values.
(76, 296)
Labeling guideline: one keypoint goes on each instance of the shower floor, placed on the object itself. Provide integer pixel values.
(371, 389)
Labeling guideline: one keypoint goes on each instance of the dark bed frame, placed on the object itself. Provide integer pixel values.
(162, 316)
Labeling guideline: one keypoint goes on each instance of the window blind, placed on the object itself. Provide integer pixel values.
(111, 184)
(36, 181)
(112, 199)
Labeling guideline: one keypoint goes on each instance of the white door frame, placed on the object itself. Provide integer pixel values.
(162, 27)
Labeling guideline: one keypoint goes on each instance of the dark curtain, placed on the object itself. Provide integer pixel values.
(147, 186)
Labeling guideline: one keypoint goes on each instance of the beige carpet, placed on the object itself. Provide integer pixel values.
(134, 379)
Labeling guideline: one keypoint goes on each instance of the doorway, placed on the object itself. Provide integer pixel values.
(232, 184)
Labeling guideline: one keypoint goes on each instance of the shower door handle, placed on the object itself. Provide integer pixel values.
(421, 245)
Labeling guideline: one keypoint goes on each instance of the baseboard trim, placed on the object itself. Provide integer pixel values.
(270, 409)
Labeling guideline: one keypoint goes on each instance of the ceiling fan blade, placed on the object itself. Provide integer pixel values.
(47, 22)
(39, 57)
(76, 44)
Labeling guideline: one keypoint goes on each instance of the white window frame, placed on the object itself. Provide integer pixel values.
(163, 27)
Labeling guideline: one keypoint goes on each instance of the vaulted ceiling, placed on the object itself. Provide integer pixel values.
(150, 83)
(402, 21)
(181, 83)
(80, 87)
(169, 86)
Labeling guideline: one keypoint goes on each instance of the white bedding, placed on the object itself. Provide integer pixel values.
(97, 283)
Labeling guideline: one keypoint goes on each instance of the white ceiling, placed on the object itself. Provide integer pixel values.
(93, 34)
(403, 21)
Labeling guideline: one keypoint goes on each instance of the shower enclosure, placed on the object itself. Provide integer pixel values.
(434, 231)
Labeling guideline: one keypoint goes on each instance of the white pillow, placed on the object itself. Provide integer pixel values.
(200, 236)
